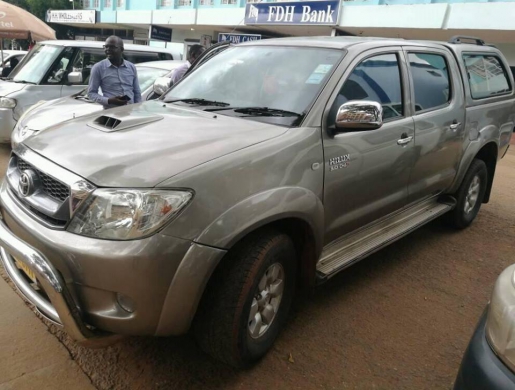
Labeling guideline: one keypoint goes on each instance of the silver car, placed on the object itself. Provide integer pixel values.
(272, 167)
(45, 114)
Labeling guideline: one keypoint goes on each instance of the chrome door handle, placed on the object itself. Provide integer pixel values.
(454, 126)
(404, 141)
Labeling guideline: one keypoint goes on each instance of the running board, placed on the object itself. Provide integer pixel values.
(358, 245)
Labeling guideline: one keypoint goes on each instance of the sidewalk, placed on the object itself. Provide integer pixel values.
(30, 357)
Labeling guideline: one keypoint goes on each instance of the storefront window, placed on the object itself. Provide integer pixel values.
(166, 3)
(206, 2)
(228, 1)
(184, 2)
(120, 3)
(107, 4)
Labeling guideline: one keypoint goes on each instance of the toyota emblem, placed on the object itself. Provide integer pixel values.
(27, 183)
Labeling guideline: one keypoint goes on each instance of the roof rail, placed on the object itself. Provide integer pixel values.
(458, 39)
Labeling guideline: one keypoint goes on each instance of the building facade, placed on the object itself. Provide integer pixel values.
(194, 21)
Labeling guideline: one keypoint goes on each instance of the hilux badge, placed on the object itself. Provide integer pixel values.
(339, 162)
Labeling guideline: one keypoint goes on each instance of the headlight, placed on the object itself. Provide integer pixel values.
(7, 102)
(124, 214)
(500, 325)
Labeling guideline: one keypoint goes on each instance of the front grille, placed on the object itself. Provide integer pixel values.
(51, 186)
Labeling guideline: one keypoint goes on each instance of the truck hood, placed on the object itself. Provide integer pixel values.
(141, 145)
(8, 87)
(57, 111)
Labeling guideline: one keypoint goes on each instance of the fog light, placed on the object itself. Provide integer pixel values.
(126, 303)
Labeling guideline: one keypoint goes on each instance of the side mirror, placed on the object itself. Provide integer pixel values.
(161, 85)
(359, 115)
(75, 77)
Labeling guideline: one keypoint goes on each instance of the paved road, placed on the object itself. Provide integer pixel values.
(400, 319)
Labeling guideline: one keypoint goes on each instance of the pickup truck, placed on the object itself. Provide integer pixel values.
(271, 168)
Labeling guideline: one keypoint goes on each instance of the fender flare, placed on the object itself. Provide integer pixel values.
(261, 209)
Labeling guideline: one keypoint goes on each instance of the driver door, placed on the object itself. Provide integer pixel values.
(367, 172)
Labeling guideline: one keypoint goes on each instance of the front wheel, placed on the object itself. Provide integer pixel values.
(470, 195)
(247, 300)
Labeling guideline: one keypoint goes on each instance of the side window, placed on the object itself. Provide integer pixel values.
(377, 79)
(487, 76)
(59, 70)
(85, 59)
(164, 56)
(431, 80)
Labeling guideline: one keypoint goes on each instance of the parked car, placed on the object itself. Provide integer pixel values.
(489, 361)
(55, 69)
(250, 178)
(46, 114)
(17, 54)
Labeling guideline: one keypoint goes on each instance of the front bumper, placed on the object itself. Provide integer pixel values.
(7, 124)
(480, 368)
(164, 276)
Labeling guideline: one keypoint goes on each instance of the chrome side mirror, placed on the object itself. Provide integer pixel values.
(161, 85)
(75, 77)
(359, 115)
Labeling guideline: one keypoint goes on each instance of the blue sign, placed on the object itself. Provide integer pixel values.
(238, 38)
(295, 13)
(160, 33)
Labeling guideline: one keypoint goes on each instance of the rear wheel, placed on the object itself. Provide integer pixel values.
(247, 300)
(470, 195)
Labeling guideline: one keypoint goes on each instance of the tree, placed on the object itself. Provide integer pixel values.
(39, 7)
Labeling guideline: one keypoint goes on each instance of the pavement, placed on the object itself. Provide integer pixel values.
(31, 358)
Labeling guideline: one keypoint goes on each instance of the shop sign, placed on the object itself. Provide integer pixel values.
(160, 33)
(294, 13)
(238, 38)
(72, 16)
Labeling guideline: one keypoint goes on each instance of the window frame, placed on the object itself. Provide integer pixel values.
(409, 51)
(486, 54)
(397, 52)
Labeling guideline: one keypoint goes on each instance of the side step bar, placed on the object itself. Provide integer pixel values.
(358, 245)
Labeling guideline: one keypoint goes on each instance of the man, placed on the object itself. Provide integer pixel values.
(195, 52)
(117, 77)
(13, 61)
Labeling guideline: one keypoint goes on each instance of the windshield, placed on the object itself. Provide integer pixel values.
(281, 78)
(147, 76)
(37, 63)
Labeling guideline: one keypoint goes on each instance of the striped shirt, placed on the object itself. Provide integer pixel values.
(114, 81)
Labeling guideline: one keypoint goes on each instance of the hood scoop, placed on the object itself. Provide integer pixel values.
(112, 122)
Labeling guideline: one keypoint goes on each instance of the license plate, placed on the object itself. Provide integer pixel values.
(21, 265)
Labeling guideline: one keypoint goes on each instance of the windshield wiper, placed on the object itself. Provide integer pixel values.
(260, 111)
(24, 81)
(198, 101)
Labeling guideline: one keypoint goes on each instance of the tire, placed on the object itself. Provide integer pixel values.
(223, 324)
(469, 196)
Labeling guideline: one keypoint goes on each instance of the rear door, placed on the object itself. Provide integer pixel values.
(439, 115)
(367, 172)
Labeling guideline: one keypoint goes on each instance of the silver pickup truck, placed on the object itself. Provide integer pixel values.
(271, 168)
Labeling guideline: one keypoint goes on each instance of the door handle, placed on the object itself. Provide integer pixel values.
(455, 125)
(404, 140)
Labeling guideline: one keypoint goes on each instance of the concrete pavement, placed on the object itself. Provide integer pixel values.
(30, 356)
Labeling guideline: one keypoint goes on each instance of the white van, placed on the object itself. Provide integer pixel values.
(53, 69)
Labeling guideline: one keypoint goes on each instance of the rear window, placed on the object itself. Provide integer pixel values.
(487, 76)
(143, 56)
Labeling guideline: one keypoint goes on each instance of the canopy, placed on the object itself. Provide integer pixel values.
(16, 23)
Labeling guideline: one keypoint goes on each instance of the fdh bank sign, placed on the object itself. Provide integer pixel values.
(295, 13)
